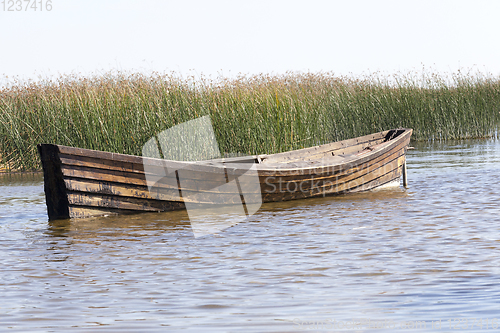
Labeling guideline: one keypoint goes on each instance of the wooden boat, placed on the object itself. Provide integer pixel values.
(83, 183)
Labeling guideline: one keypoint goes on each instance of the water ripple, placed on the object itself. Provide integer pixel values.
(425, 254)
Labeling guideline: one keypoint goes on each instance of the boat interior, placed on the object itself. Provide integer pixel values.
(330, 153)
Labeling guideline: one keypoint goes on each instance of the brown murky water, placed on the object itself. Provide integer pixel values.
(426, 259)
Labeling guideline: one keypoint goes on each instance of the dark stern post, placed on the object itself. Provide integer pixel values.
(54, 187)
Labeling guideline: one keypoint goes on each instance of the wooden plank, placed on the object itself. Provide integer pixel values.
(209, 182)
(345, 151)
(119, 190)
(317, 150)
(390, 168)
(115, 202)
(340, 178)
(81, 212)
(91, 162)
(100, 154)
(109, 188)
(377, 182)
(400, 141)
(107, 164)
(329, 172)
(104, 175)
(318, 171)
(329, 188)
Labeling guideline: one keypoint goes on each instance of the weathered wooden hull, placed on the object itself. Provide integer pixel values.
(84, 183)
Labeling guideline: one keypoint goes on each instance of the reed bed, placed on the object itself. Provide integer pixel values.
(119, 112)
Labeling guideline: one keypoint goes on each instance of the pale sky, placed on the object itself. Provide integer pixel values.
(250, 37)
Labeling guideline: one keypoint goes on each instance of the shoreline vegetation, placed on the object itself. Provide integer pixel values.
(259, 114)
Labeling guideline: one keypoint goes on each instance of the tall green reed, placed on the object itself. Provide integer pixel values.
(119, 112)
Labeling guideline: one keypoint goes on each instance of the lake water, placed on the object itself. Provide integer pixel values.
(426, 258)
